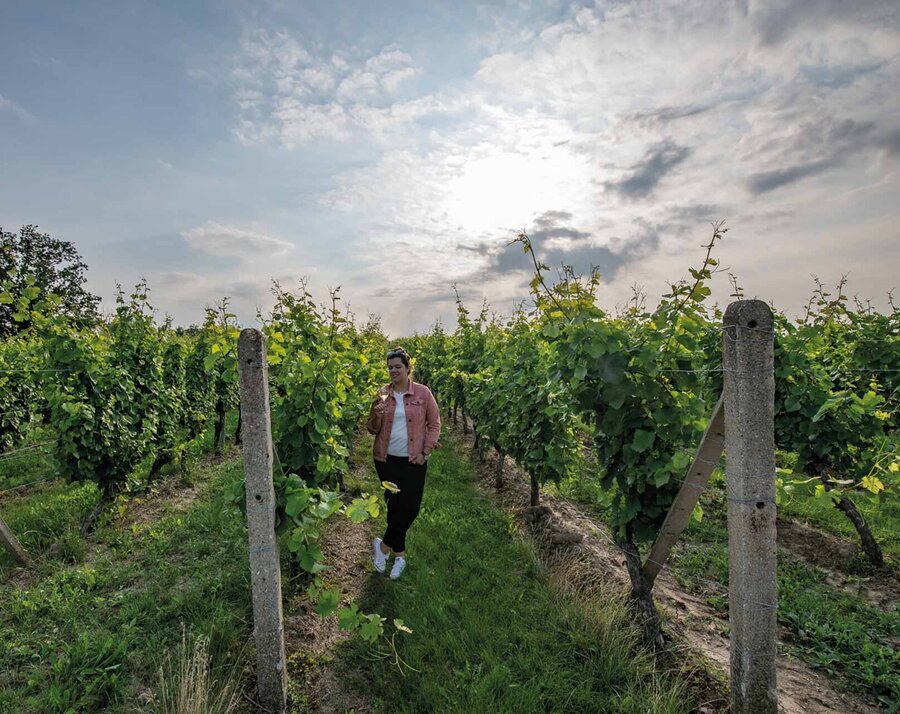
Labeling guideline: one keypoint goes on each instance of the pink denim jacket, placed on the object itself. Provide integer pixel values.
(423, 421)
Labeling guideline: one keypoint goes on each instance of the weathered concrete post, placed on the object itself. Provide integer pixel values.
(749, 394)
(265, 571)
(11, 543)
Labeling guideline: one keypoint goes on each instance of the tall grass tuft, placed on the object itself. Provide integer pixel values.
(187, 685)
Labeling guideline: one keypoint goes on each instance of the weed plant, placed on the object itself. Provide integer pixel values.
(187, 684)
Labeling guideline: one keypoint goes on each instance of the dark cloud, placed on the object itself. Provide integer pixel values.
(775, 21)
(891, 141)
(552, 218)
(548, 225)
(664, 115)
(698, 213)
(647, 173)
(818, 147)
(558, 243)
(693, 219)
(840, 136)
(770, 180)
(508, 259)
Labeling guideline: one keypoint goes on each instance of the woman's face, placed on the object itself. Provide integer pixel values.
(397, 370)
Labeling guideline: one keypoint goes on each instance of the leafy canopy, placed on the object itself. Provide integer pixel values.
(31, 259)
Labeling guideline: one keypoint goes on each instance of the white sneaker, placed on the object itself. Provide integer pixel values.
(380, 559)
(399, 565)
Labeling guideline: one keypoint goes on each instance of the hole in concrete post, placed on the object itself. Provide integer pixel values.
(250, 360)
(760, 504)
(258, 497)
(751, 324)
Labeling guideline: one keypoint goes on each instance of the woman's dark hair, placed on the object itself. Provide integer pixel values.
(398, 352)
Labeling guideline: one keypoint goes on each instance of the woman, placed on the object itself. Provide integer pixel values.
(406, 422)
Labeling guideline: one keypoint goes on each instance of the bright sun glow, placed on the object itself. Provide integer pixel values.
(508, 190)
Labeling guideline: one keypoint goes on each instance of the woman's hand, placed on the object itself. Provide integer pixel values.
(379, 403)
(418, 459)
(376, 412)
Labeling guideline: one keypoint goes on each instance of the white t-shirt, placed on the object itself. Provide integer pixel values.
(399, 443)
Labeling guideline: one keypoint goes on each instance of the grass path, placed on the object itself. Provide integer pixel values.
(491, 631)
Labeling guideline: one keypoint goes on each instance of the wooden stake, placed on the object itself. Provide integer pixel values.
(695, 481)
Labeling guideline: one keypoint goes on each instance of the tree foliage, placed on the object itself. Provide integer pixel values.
(52, 266)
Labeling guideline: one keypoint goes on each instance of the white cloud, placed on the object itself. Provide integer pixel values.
(293, 96)
(300, 122)
(226, 240)
(381, 75)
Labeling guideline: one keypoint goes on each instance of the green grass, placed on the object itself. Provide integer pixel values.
(494, 630)
(490, 633)
(46, 517)
(49, 515)
(840, 633)
(88, 629)
(836, 632)
(90, 636)
(24, 464)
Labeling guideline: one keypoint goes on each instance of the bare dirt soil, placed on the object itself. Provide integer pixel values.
(827, 552)
(690, 623)
(169, 496)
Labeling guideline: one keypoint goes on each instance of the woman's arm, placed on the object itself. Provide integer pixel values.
(432, 424)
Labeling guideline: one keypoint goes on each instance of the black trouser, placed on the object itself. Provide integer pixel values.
(402, 507)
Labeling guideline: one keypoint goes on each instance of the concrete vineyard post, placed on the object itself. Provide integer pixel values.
(749, 395)
(268, 621)
(11, 543)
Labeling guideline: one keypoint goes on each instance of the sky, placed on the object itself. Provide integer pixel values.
(395, 149)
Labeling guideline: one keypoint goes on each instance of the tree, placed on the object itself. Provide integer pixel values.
(51, 265)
